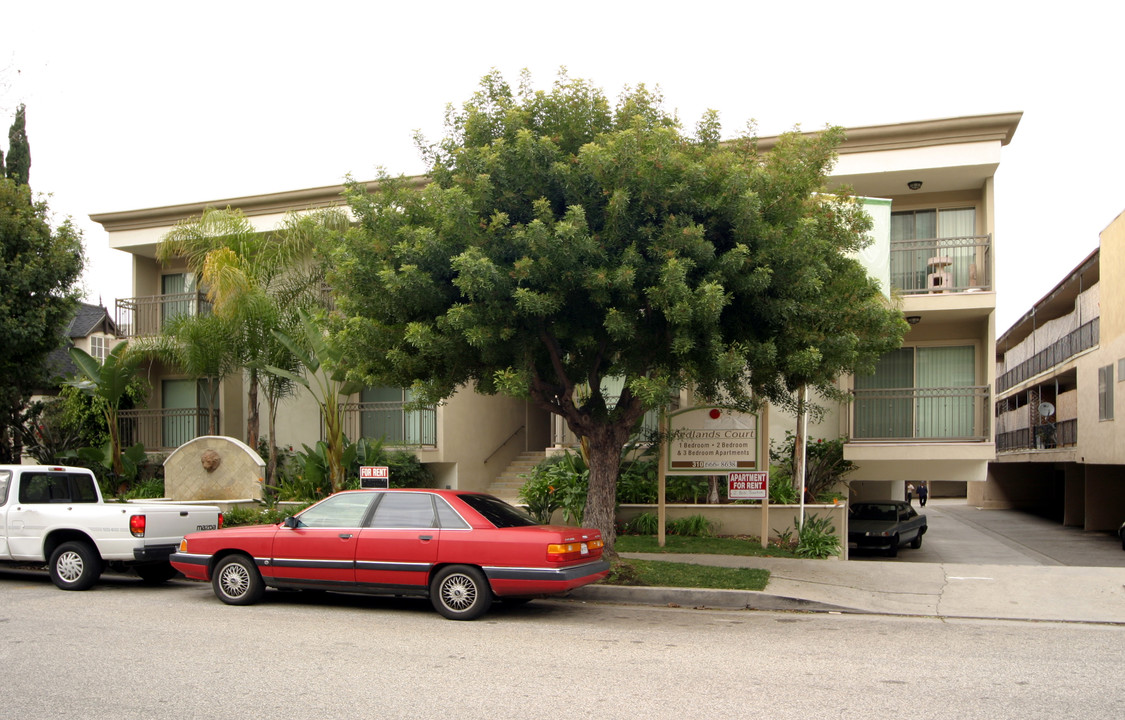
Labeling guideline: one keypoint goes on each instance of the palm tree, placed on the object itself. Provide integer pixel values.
(326, 367)
(107, 382)
(257, 280)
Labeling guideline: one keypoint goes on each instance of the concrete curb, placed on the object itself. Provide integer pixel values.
(701, 598)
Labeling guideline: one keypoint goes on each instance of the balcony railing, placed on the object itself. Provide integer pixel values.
(391, 422)
(146, 316)
(935, 265)
(165, 429)
(1046, 436)
(940, 414)
(1066, 347)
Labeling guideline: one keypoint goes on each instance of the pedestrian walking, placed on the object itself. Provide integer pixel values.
(923, 493)
(909, 492)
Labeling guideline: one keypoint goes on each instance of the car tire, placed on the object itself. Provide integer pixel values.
(892, 551)
(75, 565)
(460, 592)
(236, 581)
(155, 573)
(916, 543)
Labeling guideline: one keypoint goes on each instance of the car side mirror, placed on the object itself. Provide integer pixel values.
(290, 522)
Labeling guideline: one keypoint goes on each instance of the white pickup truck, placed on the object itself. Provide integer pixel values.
(56, 515)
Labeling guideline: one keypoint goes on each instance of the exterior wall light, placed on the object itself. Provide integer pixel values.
(913, 319)
(914, 184)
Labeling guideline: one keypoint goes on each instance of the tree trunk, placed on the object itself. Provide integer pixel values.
(713, 489)
(601, 498)
(253, 423)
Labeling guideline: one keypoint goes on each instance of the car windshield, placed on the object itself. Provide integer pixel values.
(875, 512)
(498, 512)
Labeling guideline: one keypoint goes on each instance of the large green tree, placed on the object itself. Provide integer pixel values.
(563, 240)
(39, 271)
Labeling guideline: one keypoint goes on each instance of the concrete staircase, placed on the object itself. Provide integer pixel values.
(507, 485)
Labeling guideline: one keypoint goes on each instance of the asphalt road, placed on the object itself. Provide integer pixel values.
(960, 533)
(124, 651)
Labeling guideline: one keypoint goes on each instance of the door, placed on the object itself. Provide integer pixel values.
(400, 544)
(320, 551)
(183, 421)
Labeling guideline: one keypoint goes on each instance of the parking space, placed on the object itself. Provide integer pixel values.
(960, 533)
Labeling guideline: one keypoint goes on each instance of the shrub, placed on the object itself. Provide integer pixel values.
(559, 482)
(825, 466)
(305, 476)
(817, 539)
(643, 524)
(257, 515)
(694, 526)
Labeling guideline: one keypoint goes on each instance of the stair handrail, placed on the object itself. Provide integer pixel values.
(506, 441)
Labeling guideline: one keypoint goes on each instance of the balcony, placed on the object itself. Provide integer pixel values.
(1047, 436)
(146, 316)
(943, 414)
(942, 265)
(391, 422)
(165, 429)
(1058, 352)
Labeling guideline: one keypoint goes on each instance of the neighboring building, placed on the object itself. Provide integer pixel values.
(92, 330)
(924, 416)
(1059, 439)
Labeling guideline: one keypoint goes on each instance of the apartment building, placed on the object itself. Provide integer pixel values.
(1060, 447)
(925, 415)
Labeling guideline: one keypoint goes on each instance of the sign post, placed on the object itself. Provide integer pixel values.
(716, 440)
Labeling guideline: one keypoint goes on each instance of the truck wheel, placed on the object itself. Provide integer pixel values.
(460, 592)
(237, 581)
(155, 573)
(916, 542)
(75, 565)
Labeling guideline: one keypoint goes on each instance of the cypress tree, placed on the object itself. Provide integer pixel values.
(19, 151)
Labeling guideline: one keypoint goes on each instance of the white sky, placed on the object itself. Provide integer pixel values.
(141, 104)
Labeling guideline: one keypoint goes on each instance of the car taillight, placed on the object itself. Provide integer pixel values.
(183, 545)
(561, 552)
(220, 521)
(137, 525)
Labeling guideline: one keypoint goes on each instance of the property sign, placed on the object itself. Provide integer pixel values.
(712, 441)
(748, 485)
(374, 476)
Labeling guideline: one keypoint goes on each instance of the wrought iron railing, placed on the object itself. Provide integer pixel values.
(165, 429)
(1066, 347)
(1046, 436)
(146, 316)
(391, 422)
(934, 265)
(941, 414)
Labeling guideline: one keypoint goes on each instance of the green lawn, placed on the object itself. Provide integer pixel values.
(657, 573)
(699, 545)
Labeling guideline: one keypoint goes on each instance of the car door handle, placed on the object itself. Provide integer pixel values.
(425, 538)
(345, 536)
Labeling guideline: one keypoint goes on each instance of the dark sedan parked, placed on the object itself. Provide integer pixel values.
(885, 525)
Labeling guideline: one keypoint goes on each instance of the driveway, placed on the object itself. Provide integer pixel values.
(960, 533)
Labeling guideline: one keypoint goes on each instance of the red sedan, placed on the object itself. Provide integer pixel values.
(460, 549)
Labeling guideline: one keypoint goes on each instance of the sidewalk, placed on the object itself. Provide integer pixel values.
(1015, 592)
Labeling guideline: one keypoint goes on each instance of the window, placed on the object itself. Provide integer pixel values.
(181, 287)
(404, 510)
(910, 265)
(1121, 370)
(338, 511)
(98, 348)
(5, 478)
(383, 416)
(1105, 393)
(57, 488)
(185, 406)
(914, 393)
